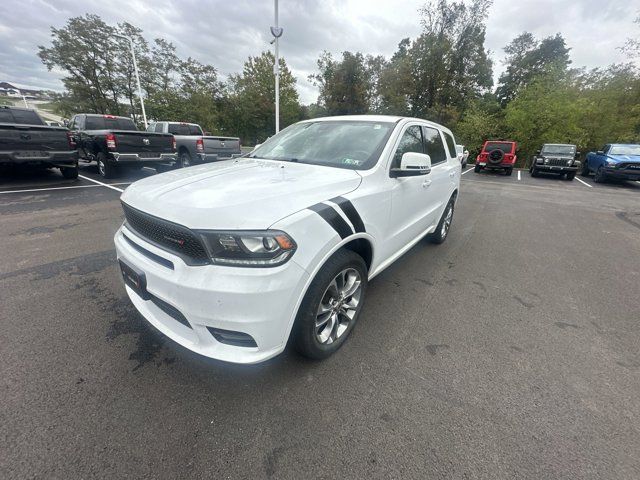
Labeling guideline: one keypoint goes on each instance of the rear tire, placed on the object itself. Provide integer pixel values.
(317, 340)
(70, 173)
(444, 225)
(508, 172)
(106, 169)
(184, 160)
(476, 169)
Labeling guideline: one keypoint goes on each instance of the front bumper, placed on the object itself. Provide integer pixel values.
(623, 174)
(260, 302)
(556, 168)
(136, 157)
(52, 159)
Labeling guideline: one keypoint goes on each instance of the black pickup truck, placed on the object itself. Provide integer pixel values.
(114, 141)
(26, 140)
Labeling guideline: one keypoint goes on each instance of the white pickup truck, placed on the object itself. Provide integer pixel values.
(229, 259)
(193, 146)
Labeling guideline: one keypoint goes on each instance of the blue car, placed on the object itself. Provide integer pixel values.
(614, 161)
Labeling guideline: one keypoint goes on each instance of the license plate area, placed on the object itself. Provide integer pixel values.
(30, 154)
(135, 279)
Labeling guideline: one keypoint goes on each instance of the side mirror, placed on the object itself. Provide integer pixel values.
(412, 164)
(578, 154)
(537, 152)
(600, 152)
(257, 145)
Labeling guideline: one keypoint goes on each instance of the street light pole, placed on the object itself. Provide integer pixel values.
(276, 31)
(135, 69)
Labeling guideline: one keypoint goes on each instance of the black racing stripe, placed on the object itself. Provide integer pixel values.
(351, 213)
(333, 218)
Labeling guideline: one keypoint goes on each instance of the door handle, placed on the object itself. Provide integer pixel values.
(452, 174)
(426, 183)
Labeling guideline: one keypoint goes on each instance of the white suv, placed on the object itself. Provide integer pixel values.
(229, 259)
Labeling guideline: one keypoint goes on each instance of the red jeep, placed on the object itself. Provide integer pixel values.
(497, 155)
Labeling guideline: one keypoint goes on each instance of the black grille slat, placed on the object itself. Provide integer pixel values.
(558, 162)
(169, 236)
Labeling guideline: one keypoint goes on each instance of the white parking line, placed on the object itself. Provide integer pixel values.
(30, 190)
(466, 171)
(103, 184)
(584, 183)
(519, 178)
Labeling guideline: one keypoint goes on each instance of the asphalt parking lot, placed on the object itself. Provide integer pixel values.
(510, 351)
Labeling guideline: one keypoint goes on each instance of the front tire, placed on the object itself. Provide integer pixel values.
(585, 169)
(106, 168)
(599, 177)
(442, 230)
(570, 176)
(331, 306)
(534, 172)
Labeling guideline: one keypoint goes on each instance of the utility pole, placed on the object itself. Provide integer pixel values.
(276, 31)
(135, 69)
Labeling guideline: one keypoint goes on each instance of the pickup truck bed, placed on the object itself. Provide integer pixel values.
(26, 140)
(115, 141)
(193, 146)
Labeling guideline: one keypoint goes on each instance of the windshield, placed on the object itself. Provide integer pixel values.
(559, 149)
(356, 145)
(505, 147)
(625, 150)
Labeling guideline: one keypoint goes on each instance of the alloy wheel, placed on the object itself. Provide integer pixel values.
(338, 306)
(447, 221)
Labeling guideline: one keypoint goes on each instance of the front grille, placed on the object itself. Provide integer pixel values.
(557, 162)
(169, 236)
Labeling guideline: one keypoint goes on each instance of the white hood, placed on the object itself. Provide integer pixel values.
(242, 194)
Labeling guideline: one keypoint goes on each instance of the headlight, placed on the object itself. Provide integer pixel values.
(546, 160)
(569, 162)
(267, 248)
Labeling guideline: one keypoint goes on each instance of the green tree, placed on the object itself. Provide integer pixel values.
(528, 58)
(249, 107)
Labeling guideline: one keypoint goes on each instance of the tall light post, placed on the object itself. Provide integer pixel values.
(276, 31)
(135, 69)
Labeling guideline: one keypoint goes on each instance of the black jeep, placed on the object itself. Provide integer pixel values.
(556, 158)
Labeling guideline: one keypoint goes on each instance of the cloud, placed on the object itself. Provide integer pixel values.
(225, 33)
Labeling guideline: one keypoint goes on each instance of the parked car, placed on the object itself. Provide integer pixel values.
(463, 155)
(230, 258)
(497, 155)
(556, 158)
(25, 139)
(194, 146)
(113, 141)
(615, 161)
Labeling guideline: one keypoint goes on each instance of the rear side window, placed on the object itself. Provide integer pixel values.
(158, 128)
(411, 141)
(195, 130)
(23, 117)
(108, 123)
(434, 146)
(451, 144)
(178, 129)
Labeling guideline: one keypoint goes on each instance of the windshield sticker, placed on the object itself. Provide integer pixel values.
(351, 161)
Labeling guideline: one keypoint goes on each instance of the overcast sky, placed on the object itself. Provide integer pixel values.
(224, 33)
